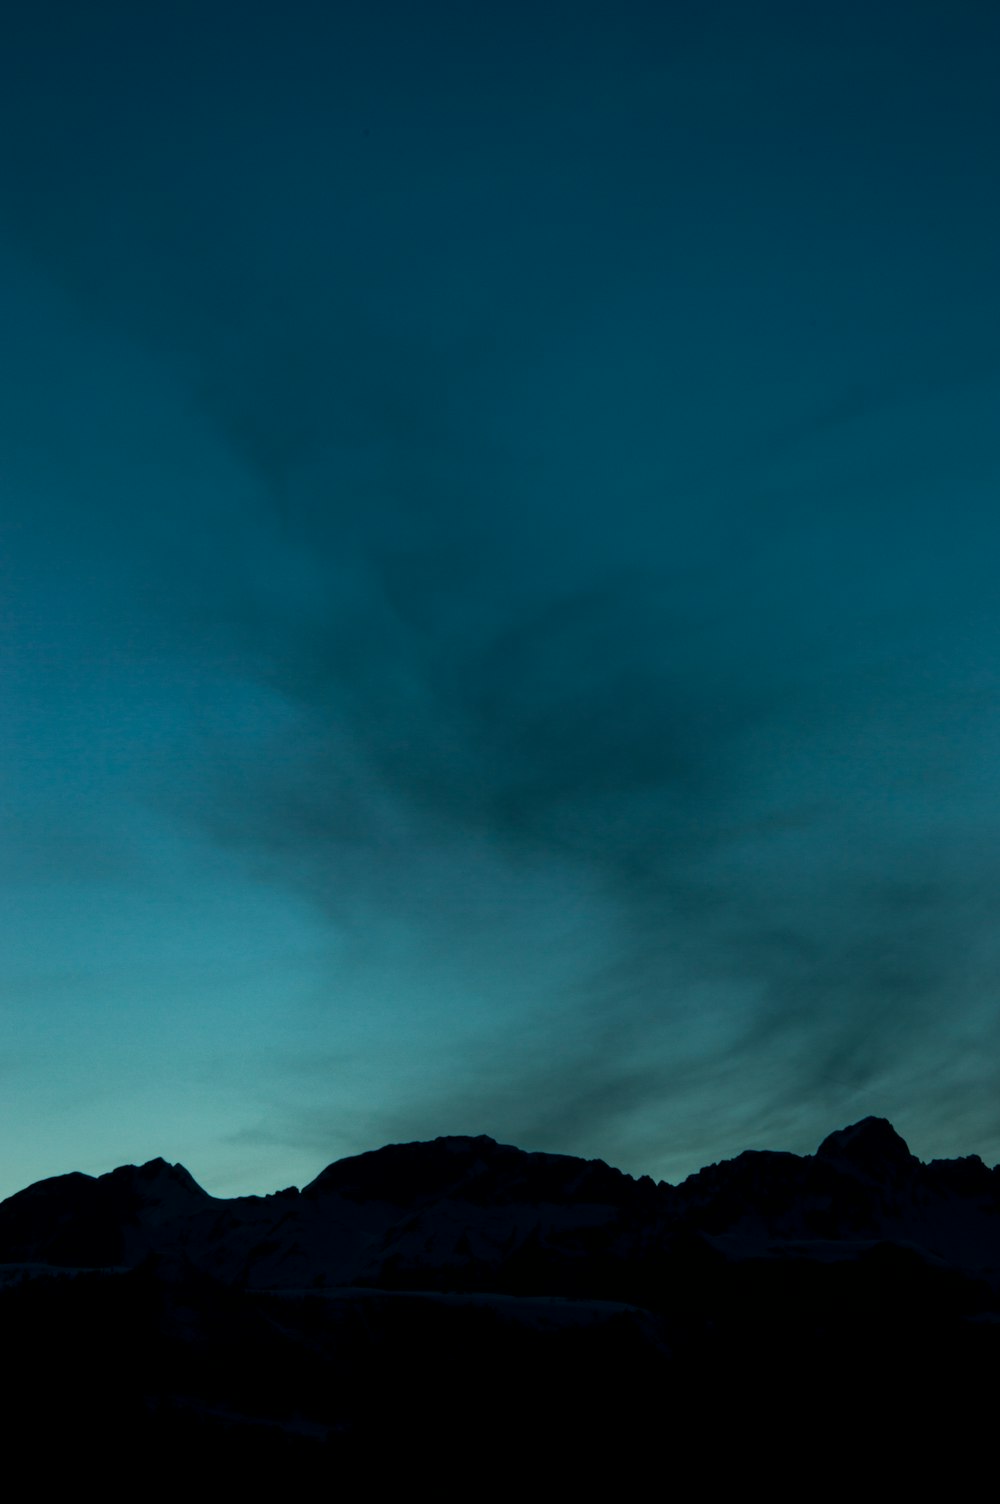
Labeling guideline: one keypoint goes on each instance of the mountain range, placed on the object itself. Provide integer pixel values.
(438, 1304)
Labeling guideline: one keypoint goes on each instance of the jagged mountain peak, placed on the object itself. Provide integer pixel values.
(870, 1147)
(156, 1174)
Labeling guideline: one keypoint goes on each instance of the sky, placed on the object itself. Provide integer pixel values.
(499, 627)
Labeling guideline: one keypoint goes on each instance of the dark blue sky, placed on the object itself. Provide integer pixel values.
(499, 528)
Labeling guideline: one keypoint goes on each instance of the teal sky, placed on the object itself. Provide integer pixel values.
(498, 547)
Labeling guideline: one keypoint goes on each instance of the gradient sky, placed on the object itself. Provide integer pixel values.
(499, 538)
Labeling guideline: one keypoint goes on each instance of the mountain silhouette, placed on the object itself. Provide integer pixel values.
(470, 1299)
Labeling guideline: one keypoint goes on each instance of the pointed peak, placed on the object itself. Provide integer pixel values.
(154, 1168)
(156, 1173)
(871, 1145)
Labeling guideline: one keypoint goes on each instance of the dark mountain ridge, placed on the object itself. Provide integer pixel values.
(464, 1296)
(465, 1209)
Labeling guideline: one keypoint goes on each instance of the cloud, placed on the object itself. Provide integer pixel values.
(502, 570)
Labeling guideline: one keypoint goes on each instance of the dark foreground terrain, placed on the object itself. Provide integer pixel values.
(460, 1315)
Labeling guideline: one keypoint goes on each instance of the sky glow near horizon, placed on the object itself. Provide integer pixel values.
(498, 614)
